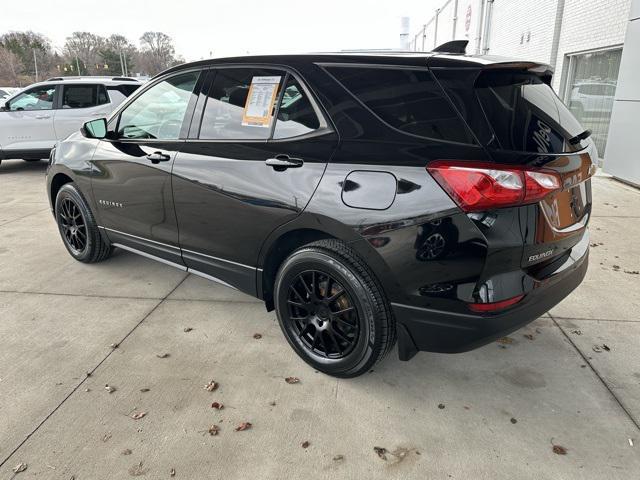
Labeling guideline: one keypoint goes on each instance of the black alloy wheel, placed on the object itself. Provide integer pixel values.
(332, 310)
(322, 314)
(73, 226)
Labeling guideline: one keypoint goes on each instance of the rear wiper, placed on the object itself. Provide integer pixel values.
(581, 136)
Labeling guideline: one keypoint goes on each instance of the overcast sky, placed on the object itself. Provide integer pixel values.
(224, 28)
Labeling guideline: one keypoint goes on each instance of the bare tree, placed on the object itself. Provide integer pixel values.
(9, 68)
(83, 50)
(157, 52)
(27, 49)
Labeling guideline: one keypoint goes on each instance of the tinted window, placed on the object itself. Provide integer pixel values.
(38, 98)
(296, 115)
(159, 112)
(409, 100)
(524, 112)
(240, 104)
(119, 93)
(83, 96)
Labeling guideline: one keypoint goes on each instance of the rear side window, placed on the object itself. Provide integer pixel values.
(118, 93)
(408, 100)
(296, 115)
(524, 112)
(241, 104)
(83, 96)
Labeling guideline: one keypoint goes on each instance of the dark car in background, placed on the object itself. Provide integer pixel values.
(437, 199)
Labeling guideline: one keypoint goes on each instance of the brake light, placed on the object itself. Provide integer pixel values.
(495, 306)
(483, 186)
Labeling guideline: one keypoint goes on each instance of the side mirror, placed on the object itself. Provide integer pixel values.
(95, 128)
(5, 107)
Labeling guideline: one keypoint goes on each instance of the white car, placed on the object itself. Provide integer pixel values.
(588, 98)
(6, 92)
(33, 120)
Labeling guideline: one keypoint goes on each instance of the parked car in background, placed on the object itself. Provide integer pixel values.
(6, 92)
(439, 199)
(32, 121)
(588, 98)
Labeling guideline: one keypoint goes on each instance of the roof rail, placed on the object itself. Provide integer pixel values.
(454, 46)
(124, 79)
(54, 79)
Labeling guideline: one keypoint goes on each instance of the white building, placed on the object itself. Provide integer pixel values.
(583, 40)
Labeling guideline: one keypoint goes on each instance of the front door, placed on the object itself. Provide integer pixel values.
(26, 126)
(131, 180)
(242, 175)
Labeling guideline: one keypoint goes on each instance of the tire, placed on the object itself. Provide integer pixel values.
(342, 334)
(78, 227)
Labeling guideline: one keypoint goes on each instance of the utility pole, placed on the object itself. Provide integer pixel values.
(77, 64)
(126, 69)
(35, 63)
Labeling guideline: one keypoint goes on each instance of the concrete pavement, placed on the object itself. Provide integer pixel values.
(494, 413)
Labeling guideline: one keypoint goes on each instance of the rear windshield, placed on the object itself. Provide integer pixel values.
(524, 113)
(409, 100)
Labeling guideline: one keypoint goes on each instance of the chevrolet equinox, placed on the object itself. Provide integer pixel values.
(435, 199)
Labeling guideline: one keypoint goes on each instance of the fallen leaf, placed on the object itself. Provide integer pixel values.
(505, 340)
(441, 406)
(243, 426)
(126, 451)
(605, 347)
(381, 451)
(137, 470)
(187, 329)
(577, 332)
(616, 267)
(630, 442)
(172, 472)
(106, 437)
(138, 415)
(114, 345)
(514, 421)
(305, 444)
(273, 403)
(292, 380)
(257, 336)
(217, 405)
(559, 450)
(338, 458)
(21, 467)
(528, 336)
(109, 388)
(145, 390)
(211, 386)
(596, 349)
(163, 355)
(213, 430)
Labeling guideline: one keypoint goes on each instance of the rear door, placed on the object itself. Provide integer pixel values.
(27, 124)
(79, 103)
(242, 173)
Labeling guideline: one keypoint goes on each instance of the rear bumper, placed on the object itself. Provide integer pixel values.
(422, 329)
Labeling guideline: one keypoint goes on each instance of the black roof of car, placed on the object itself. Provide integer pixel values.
(374, 57)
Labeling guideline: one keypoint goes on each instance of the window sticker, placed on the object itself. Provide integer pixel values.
(260, 100)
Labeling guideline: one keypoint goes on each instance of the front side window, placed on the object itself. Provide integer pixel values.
(38, 98)
(296, 115)
(83, 96)
(409, 100)
(241, 104)
(159, 112)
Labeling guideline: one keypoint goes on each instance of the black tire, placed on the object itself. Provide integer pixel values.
(343, 337)
(78, 227)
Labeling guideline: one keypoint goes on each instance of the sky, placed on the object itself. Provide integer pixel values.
(203, 29)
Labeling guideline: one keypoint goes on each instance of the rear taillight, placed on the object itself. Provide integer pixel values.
(495, 306)
(483, 186)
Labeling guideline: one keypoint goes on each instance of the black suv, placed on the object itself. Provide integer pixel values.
(439, 199)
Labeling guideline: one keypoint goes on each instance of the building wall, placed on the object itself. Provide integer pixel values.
(623, 159)
(588, 25)
(523, 29)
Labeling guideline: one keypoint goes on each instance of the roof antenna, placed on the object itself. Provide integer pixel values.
(455, 46)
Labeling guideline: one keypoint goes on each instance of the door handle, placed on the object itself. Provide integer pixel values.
(282, 162)
(42, 117)
(157, 157)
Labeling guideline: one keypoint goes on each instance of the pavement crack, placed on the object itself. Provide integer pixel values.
(606, 385)
(90, 373)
